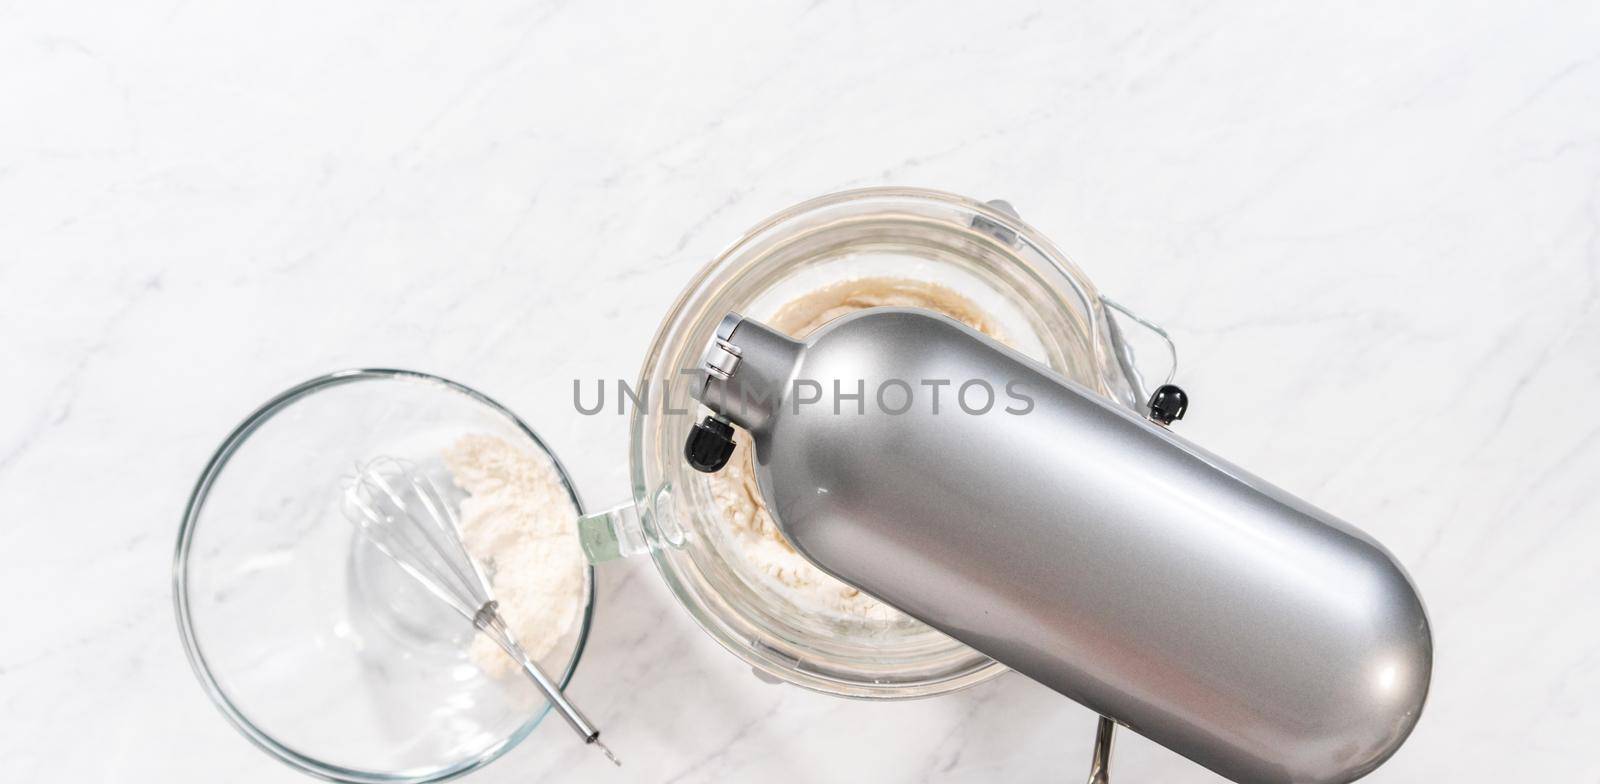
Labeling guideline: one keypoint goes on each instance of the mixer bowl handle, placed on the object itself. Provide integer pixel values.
(1128, 359)
(625, 531)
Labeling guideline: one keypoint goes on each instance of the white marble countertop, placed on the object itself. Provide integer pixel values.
(1374, 230)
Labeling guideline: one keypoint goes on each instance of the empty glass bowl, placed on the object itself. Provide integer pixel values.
(315, 645)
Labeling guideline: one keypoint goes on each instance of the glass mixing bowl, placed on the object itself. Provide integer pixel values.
(1037, 298)
(314, 644)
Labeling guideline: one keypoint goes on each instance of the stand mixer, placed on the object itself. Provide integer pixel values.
(1077, 543)
(1057, 528)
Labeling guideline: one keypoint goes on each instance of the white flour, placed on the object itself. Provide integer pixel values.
(755, 535)
(520, 524)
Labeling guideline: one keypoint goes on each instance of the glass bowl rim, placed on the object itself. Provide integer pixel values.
(669, 330)
(180, 593)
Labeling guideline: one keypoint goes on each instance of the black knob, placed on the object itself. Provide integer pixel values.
(1168, 403)
(710, 445)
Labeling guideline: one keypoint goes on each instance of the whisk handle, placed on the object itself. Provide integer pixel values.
(489, 622)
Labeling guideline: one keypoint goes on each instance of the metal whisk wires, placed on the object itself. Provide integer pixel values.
(402, 513)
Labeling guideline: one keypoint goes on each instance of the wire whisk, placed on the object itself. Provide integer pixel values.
(402, 513)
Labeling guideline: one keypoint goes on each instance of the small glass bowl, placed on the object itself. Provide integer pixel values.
(315, 645)
(1038, 299)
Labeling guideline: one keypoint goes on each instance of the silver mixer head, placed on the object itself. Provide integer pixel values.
(1078, 543)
